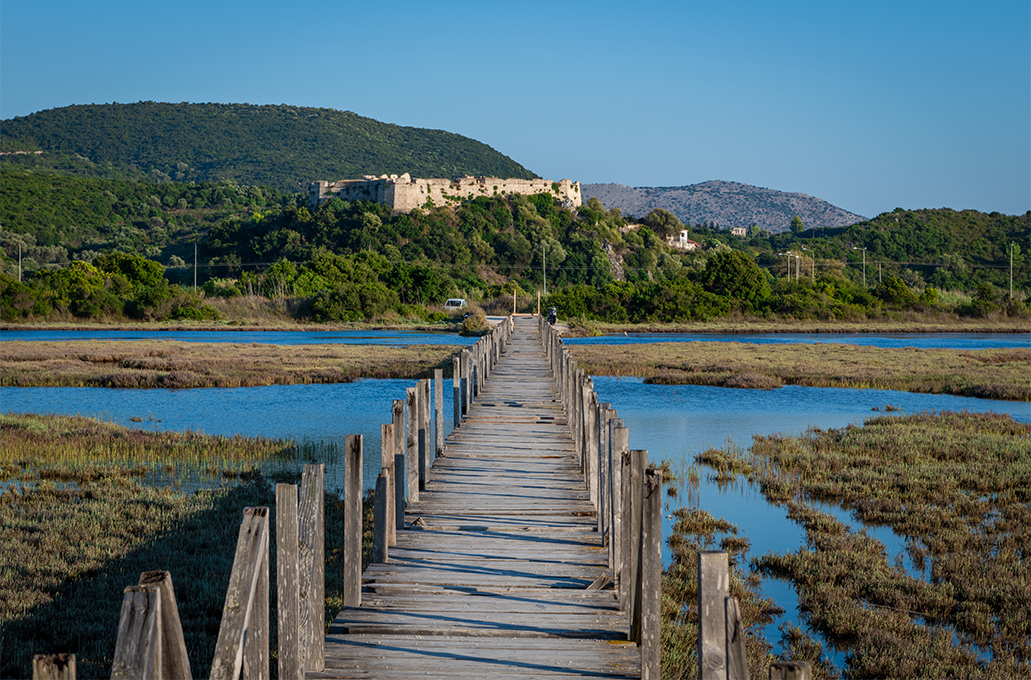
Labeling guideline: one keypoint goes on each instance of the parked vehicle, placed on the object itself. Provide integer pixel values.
(454, 304)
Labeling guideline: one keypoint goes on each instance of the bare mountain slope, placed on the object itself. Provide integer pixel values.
(728, 204)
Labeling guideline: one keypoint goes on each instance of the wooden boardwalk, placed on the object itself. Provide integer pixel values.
(489, 577)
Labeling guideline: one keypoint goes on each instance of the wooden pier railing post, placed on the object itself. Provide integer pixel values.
(53, 667)
(387, 461)
(352, 521)
(620, 450)
(737, 660)
(603, 470)
(456, 379)
(138, 646)
(424, 430)
(651, 574)
(175, 660)
(713, 590)
(398, 416)
(243, 636)
(311, 539)
(438, 411)
(465, 382)
(412, 441)
(288, 585)
(380, 519)
(638, 462)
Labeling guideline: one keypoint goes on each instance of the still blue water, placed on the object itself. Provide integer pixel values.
(402, 338)
(387, 338)
(923, 340)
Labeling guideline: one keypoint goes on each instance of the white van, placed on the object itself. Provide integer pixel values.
(454, 304)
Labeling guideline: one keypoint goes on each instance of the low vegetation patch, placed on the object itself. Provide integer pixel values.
(72, 546)
(171, 363)
(956, 485)
(986, 373)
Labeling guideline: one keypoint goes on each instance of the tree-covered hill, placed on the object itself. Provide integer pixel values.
(283, 147)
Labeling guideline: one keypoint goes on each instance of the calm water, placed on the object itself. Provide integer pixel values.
(925, 340)
(402, 338)
(386, 338)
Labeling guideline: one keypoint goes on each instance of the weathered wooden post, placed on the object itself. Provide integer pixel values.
(288, 585)
(398, 414)
(456, 380)
(791, 670)
(713, 590)
(412, 440)
(53, 667)
(380, 519)
(242, 646)
(638, 462)
(651, 574)
(438, 409)
(620, 448)
(352, 520)
(175, 660)
(138, 646)
(591, 436)
(387, 460)
(424, 424)
(737, 660)
(603, 470)
(311, 538)
(465, 382)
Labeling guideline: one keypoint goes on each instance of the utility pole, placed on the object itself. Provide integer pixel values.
(1011, 268)
(544, 267)
(195, 266)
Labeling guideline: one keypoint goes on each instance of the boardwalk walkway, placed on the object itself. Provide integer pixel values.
(489, 578)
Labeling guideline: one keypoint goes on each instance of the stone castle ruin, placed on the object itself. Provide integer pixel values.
(402, 193)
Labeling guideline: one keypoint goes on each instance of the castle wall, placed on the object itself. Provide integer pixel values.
(404, 193)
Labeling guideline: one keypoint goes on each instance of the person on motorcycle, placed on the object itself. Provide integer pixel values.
(552, 316)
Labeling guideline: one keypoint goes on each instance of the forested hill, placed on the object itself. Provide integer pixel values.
(282, 147)
(726, 204)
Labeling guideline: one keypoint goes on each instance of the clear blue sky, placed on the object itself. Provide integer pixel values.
(869, 105)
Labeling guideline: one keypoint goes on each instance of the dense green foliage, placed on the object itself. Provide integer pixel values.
(350, 261)
(285, 147)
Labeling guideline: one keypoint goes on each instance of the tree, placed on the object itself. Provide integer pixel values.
(663, 223)
(796, 225)
(734, 274)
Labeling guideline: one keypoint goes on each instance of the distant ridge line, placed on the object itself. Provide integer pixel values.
(728, 204)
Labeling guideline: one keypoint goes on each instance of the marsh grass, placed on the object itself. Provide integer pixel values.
(987, 373)
(958, 487)
(70, 549)
(176, 364)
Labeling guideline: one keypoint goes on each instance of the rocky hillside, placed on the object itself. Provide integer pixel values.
(728, 204)
(282, 147)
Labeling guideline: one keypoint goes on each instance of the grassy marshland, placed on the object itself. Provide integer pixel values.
(958, 486)
(986, 373)
(171, 363)
(70, 548)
